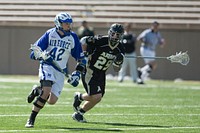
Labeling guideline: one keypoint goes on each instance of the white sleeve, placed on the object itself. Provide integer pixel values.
(143, 34)
(83, 40)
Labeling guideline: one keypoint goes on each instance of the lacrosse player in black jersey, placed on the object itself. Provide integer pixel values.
(102, 52)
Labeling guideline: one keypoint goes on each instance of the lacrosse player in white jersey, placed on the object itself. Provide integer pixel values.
(149, 38)
(58, 43)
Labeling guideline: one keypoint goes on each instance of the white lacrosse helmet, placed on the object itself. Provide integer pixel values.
(62, 18)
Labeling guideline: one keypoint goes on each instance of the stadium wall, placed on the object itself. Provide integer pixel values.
(15, 44)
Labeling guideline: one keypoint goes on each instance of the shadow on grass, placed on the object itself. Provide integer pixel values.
(129, 125)
(88, 129)
(108, 129)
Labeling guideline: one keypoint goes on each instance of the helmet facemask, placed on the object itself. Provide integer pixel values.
(114, 35)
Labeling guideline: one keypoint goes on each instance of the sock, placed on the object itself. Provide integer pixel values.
(80, 97)
(33, 115)
(81, 111)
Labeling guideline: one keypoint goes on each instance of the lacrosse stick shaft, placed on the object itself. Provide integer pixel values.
(55, 64)
(148, 57)
(181, 57)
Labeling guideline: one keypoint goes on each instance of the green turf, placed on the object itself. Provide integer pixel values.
(157, 107)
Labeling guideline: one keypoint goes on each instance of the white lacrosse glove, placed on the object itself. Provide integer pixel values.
(39, 54)
(74, 79)
(46, 57)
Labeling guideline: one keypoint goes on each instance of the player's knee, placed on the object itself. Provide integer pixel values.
(52, 99)
(51, 102)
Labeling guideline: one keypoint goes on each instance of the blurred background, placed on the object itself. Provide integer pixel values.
(22, 22)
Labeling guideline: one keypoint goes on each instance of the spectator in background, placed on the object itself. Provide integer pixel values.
(149, 39)
(85, 30)
(129, 41)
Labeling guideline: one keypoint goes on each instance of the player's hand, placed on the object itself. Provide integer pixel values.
(119, 59)
(46, 58)
(74, 79)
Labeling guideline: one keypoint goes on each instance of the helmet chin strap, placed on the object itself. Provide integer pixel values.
(67, 33)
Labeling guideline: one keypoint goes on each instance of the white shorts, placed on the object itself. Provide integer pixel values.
(47, 72)
(148, 53)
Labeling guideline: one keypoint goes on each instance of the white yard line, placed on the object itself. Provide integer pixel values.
(20, 80)
(68, 104)
(97, 114)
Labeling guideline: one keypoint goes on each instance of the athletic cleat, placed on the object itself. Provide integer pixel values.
(139, 81)
(77, 102)
(34, 92)
(29, 123)
(78, 117)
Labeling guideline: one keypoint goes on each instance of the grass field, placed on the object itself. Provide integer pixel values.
(157, 107)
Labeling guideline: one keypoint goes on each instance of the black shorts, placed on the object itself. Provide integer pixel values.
(94, 82)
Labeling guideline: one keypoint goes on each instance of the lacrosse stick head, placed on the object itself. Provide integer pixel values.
(181, 57)
(38, 53)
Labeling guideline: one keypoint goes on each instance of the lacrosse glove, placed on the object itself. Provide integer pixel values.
(118, 60)
(74, 79)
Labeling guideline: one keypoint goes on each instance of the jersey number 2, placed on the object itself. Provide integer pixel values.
(57, 54)
(102, 63)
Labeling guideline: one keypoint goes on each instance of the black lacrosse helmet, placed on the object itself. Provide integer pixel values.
(114, 35)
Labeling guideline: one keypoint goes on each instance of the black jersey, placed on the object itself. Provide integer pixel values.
(100, 55)
(100, 58)
(129, 41)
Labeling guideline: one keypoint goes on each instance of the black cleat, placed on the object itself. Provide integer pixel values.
(29, 123)
(77, 101)
(78, 117)
(34, 92)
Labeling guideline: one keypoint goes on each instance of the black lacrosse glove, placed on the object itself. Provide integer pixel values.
(118, 60)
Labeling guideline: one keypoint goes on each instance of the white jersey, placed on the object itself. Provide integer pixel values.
(60, 47)
(151, 39)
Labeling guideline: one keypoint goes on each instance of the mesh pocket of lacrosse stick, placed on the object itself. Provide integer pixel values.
(182, 58)
(37, 51)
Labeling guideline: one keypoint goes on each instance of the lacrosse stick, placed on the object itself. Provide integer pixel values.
(39, 54)
(181, 57)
